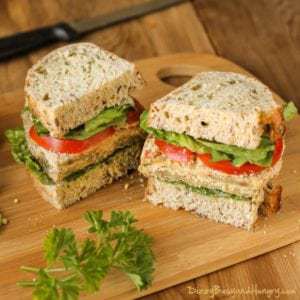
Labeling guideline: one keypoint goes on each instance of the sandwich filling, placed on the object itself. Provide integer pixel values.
(21, 154)
(84, 136)
(226, 158)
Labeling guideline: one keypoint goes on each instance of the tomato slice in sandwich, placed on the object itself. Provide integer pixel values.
(175, 152)
(69, 146)
(184, 155)
(226, 166)
(77, 146)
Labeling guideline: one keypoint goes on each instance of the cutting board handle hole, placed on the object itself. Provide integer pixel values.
(177, 75)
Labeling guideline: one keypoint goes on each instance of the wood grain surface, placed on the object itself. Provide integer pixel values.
(185, 245)
(261, 35)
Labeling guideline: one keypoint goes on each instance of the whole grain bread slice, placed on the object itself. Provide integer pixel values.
(65, 193)
(224, 210)
(226, 107)
(74, 83)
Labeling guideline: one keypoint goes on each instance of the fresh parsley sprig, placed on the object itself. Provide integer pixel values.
(74, 267)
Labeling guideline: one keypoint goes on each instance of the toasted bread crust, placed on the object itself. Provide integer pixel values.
(272, 200)
(275, 122)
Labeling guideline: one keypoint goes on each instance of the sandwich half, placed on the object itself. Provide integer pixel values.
(80, 124)
(214, 146)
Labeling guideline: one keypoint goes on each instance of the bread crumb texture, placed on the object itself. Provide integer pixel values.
(68, 73)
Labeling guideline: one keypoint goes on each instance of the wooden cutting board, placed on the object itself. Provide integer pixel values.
(186, 246)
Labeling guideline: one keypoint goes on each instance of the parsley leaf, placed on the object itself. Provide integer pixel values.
(74, 267)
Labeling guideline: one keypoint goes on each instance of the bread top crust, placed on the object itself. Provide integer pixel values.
(71, 72)
(226, 91)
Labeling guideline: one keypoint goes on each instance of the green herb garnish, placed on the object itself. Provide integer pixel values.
(74, 267)
(289, 111)
(22, 155)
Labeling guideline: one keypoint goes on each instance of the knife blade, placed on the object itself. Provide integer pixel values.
(24, 42)
(122, 15)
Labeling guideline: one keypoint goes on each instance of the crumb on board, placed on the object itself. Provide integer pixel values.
(16, 200)
(3, 221)
(126, 186)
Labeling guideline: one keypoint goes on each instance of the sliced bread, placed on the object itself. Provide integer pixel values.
(195, 173)
(65, 193)
(229, 211)
(74, 83)
(226, 107)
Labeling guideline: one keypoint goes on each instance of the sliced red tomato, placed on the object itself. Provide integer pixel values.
(226, 166)
(76, 146)
(277, 151)
(69, 146)
(183, 155)
(175, 152)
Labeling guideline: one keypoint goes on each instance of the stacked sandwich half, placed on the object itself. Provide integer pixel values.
(215, 145)
(80, 124)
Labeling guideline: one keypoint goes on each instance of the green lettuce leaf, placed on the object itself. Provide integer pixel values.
(111, 116)
(22, 155)
(289, 111)
(261, 156)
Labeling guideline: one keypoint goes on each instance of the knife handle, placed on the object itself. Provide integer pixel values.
(24, 42)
